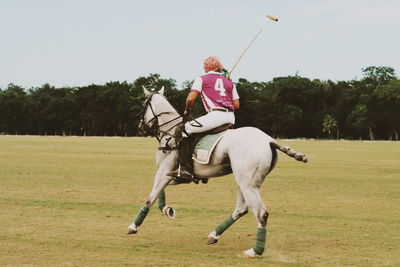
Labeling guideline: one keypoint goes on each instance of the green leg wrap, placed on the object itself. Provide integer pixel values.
(161, 201)
(224, 225)
(141, 215)
(260, 244)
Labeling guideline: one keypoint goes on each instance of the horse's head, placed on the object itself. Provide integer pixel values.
(148, 123)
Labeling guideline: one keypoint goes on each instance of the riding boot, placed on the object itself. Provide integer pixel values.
(185, 169)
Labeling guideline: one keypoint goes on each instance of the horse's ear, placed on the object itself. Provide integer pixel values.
(145, 91)
(161, 91)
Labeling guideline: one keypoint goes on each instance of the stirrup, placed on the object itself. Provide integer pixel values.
(181, 174)
(178, 180)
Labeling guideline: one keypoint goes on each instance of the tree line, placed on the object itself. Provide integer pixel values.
(286, 107)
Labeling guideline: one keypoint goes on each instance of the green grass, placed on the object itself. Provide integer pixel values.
(67, 201)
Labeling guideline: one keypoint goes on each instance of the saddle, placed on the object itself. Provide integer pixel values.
(186, 148)
(197, 137)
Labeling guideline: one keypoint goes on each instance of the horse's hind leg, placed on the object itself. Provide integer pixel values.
(253, 199)
(240, 210)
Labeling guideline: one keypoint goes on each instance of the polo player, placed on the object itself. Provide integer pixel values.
(220, 100)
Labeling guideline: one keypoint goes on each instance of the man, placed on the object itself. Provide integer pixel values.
(220, 99)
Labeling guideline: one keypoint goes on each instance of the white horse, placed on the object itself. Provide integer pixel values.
(247, 152)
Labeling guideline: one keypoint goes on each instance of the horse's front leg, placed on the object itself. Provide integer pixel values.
(164, 208)
(161, 180)
(162, 203)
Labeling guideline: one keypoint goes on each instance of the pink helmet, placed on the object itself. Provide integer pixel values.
(212, 63)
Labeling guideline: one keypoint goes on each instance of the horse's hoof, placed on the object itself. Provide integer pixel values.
(132, 229)
(211, 241)
(250, 254)
(130, 232)
(212, 238)
(169, 212)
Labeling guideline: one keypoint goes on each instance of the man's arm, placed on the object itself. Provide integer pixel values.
(236, 104)
(189, 101)
(235, 95)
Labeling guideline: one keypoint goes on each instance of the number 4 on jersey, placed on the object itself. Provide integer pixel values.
(219, 86)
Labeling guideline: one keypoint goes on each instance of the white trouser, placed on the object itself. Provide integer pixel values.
(209, 121)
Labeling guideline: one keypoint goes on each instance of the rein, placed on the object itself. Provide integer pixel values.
(156, 127)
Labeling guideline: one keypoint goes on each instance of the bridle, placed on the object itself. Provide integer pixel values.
(154, 129)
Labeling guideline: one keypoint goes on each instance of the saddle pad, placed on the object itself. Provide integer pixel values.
(204, 148)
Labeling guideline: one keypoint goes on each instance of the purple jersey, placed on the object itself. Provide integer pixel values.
(216, 91)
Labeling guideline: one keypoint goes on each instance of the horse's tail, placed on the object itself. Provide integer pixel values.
(290, 152)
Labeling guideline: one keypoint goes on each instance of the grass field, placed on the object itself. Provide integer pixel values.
(67, 201)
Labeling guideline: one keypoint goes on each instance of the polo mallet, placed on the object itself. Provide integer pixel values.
(270, 18)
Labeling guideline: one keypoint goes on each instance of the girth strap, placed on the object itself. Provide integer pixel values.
(164, 148)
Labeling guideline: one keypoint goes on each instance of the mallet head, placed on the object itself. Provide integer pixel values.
(271, 17)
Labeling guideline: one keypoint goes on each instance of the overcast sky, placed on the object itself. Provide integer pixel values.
(80, 42)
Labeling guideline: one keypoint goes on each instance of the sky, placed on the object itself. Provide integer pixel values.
(82, 42)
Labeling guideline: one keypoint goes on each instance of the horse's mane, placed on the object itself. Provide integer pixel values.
(166, 100)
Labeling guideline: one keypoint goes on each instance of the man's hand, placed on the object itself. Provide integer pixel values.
(189, 101)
